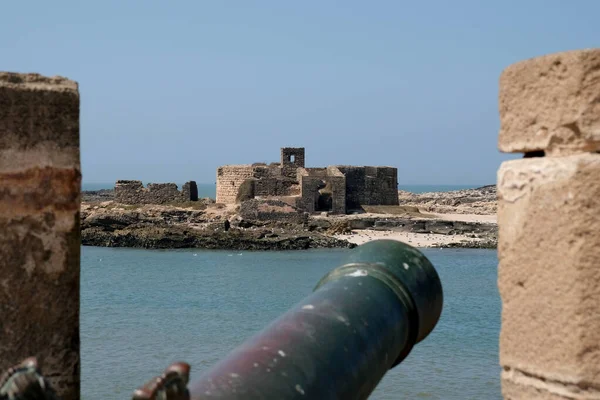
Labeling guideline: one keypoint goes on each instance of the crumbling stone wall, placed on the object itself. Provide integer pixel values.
(40, 182)
(370, 186)
(189, 191)
(316, 171)
(234, 186)
(271, 210)
(549, 227)
(337, 181)
(264, 171)
(310, 192)
(229, 181)
(159, 193)
(245, 191)
(311, 186)
(275, 186)
(355, 186)
(134, 192)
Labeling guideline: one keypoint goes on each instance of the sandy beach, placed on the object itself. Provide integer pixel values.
(414, 239)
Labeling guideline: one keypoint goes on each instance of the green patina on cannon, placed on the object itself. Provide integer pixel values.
(362, 319)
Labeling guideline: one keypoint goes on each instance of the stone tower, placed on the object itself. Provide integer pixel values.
(292, 158)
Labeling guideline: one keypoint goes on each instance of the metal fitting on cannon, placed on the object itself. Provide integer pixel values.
(171, 385)
(362, 319)
(25, 382)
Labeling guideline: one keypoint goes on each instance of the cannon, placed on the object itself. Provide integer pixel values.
(362, 319)
(25, 382)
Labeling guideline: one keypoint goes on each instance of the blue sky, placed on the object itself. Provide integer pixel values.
(171, 90)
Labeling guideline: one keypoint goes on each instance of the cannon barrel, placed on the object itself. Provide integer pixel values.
(362, 319)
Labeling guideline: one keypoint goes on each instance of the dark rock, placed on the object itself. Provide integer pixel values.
(362, 223)
(97, 195)
(340, 228)
(110, 221)
(468, 201)
(245, 224)
(271, 210)
(471, 244)
(152, 229)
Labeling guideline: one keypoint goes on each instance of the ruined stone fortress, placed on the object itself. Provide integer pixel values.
(336, 189)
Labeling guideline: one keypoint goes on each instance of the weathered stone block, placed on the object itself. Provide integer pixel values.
(229, 180)
(370, 186)
(40, 184)
(274, 186)
(549, 275)
(551, 104)
(521, 387)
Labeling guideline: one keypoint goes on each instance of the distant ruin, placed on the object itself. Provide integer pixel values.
(134, 192)
(336, 189)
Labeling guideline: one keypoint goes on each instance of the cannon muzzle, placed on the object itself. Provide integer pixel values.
(362, 319)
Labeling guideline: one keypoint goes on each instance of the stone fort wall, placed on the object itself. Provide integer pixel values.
(264, 181)
(229, 181)
(134, 192)
(314, 180)
(349, 186)
(370, 186)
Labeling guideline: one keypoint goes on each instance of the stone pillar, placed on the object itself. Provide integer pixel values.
(549, 227)
(40, 184)
(190, 191)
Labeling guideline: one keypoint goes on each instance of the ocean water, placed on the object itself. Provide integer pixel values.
(143, 309)
(210, 190)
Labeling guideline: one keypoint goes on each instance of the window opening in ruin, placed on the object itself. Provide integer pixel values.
(292, 158)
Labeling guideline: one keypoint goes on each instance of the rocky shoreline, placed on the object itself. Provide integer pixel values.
(479, 201)
(273, 225)
(170, 227)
